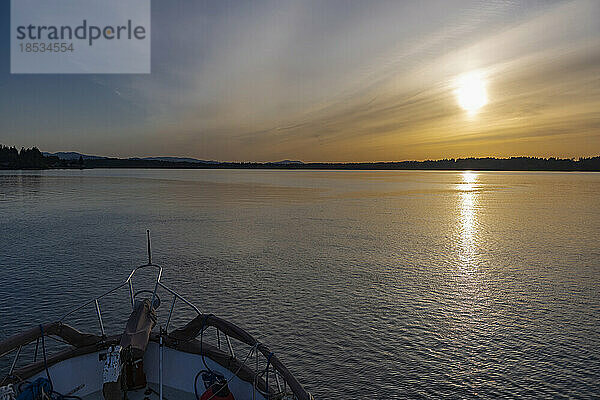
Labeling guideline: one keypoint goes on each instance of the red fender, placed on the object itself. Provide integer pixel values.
(223, 394)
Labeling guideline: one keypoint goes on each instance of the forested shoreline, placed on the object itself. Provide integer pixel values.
(32, 158)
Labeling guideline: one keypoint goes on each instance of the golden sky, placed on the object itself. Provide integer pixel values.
(333, 81)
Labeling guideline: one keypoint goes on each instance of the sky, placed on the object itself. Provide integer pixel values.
(328, 80)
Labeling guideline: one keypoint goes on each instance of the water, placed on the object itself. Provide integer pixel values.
(371, 284)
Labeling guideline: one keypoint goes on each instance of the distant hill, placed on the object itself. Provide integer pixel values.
(175, 159)
(72, 155)
(288, 162)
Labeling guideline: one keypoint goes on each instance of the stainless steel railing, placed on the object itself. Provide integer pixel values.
(132, 294)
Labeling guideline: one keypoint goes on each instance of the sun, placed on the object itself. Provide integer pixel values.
(470, 92)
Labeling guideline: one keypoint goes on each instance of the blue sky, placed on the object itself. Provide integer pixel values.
(328, 81)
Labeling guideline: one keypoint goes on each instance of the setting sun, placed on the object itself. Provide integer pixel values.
(470, 92)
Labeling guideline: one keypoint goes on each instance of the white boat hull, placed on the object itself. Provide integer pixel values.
(82, 375)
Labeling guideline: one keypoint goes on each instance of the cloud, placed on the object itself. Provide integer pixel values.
(285, 83)
(361, 81)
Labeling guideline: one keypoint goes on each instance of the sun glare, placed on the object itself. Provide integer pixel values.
(470, 92)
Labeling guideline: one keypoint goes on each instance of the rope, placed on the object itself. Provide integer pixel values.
(43, 386)
(268, 393)
(204, 320)
(250, 352)
(36, 390)
(210, 371)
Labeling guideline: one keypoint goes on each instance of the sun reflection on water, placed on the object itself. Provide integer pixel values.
(468, 217)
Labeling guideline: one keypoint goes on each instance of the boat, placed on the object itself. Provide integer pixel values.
(148, 360)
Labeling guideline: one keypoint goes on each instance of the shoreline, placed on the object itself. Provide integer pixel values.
(307, 168)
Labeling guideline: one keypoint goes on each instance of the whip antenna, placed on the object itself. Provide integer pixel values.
(149, 250)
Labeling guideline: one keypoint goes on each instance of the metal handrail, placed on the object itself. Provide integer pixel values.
(127, 281)
(175, 297)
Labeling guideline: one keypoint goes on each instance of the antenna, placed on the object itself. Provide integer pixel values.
(149, 250)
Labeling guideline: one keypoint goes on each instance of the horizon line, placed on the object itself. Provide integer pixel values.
(295, 160)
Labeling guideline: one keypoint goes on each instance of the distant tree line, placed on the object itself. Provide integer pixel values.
(11, 158)
(487, 164)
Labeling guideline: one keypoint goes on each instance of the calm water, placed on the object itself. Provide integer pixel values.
(375, 284)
